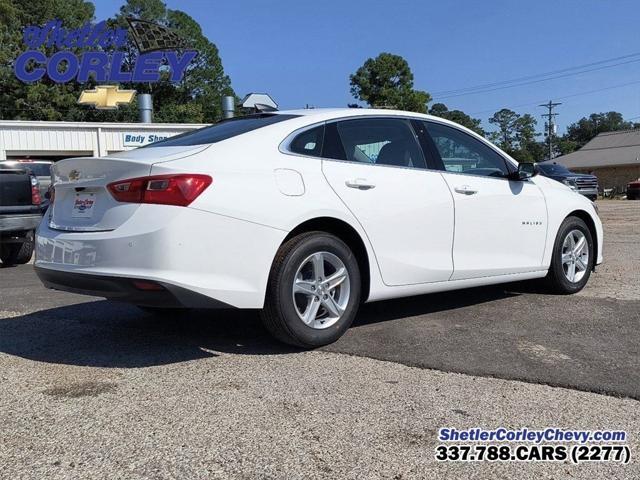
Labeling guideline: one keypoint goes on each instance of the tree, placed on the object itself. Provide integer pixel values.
(505, 136)
(197, 98)
(516, 135)
(580, 132)
(458, 116)
(44, 100)
(387, 81)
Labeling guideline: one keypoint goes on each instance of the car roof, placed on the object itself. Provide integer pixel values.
(349, 112)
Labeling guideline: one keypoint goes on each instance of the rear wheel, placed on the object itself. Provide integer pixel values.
(314, 291)
(573, 257)
(17, 253)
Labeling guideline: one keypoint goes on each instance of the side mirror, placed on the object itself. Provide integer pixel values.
(526, 170)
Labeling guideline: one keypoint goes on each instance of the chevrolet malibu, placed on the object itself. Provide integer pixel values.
(307, 214)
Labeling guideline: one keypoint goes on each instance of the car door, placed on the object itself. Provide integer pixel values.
(500, 224)
(378, 169)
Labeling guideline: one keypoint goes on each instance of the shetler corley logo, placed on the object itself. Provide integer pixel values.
(102, 57)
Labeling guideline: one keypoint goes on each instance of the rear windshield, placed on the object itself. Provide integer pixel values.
(38, 169)
(222, 130)
(553, 169)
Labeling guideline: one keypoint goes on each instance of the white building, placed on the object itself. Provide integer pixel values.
(57, 140)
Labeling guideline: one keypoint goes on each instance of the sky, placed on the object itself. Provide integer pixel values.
(302, 53)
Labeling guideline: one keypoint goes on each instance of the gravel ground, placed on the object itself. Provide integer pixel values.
(172, 409)
(619, 275)
(309, 415)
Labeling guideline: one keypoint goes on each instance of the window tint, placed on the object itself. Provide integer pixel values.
(553, 169)
(222, 130)
(38, 169)
(308, 142)
(462, 153)
(379, 141)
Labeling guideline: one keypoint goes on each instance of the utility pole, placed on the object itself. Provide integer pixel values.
(550, 123)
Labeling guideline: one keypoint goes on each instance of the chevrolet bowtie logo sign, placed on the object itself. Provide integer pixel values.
(106, 97)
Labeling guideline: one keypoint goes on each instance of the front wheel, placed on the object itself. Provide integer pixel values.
(314, 290)
(573, 257)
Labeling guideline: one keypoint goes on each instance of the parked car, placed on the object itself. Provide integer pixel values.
(583, 183)
(306, 214)
(633, 190)
(40, 168)
(20, 213)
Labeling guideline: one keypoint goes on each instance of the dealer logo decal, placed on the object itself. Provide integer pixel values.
(102, 54)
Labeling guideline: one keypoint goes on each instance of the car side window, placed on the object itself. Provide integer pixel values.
(461, 153)
(308, 142)
(377, 141)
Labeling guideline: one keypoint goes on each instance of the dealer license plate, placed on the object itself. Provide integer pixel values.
(83, 205)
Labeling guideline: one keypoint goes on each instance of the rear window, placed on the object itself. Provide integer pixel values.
(38, 169)
(222, 130)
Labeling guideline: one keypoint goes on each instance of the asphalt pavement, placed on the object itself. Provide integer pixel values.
(96, 389)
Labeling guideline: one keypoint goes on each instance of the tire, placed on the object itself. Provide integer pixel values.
(558, 278)
(17, 253)
(298, 261)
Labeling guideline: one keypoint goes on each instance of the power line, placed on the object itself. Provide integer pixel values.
(530, 77)
(537, 81)
(536, 102)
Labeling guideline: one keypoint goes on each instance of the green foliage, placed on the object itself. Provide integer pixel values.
(196, 99)
(516, 135)
(44, 100)
(458, 116)
(386, 81)
(580, 132)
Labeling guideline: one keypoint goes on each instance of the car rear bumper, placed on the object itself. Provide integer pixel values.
(125, 290)
(222, 259)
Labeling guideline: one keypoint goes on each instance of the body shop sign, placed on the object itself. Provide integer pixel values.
(140, 139)
(96, 50)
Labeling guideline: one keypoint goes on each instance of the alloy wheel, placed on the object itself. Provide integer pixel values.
(321, 290)
(575, 256)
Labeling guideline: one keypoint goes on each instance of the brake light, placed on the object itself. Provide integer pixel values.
(35, 192)
(180, 189)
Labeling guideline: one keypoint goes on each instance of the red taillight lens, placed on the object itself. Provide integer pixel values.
(178, 190)
(35, 192)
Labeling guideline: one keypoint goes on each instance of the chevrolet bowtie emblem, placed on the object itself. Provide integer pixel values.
(106, 97)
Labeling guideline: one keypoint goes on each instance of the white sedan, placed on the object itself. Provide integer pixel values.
(307, 214)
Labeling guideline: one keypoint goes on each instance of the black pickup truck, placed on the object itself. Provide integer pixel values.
(21, 209)
(582, 183)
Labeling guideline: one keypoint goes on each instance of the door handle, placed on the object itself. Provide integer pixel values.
(360, 184)
(465, 190)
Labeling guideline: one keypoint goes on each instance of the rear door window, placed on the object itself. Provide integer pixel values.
(378, 141)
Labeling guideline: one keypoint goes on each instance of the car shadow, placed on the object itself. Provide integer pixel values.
(114, 335)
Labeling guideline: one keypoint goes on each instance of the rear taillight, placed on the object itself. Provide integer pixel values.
(35, 192)
(181, 189)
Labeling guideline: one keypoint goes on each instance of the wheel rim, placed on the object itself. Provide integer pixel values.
(575, 256)
(321, 289)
